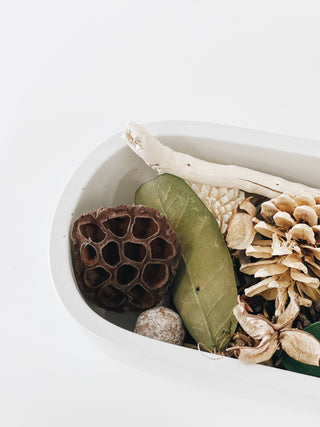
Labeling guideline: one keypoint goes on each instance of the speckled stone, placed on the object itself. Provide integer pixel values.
(161, 323)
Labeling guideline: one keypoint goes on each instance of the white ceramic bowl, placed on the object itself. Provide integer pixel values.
(108, 177)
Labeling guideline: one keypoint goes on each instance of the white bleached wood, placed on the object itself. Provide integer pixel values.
(165, 160)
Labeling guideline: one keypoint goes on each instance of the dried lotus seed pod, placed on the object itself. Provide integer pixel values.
(125, 257)
(161, 323)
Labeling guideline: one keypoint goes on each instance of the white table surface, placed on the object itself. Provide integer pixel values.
(72, 73)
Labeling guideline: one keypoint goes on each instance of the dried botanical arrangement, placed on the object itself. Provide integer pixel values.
(247, 284)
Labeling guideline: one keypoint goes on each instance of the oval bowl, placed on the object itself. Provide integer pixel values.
(109, 176)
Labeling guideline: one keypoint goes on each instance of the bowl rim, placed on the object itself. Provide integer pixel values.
(61, 264)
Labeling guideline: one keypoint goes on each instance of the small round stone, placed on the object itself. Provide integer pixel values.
(161, 323)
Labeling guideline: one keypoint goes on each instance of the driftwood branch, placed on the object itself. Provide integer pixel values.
(165, 160)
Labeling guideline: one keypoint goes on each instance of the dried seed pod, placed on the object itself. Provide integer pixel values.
(222, 202)
(297, 344)
(125, 257)
(161, 323)
(240, 232)
(292, 232)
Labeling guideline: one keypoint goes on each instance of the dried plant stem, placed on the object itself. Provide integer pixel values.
(165, 160)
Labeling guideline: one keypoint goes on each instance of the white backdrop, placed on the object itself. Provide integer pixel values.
(72, 73)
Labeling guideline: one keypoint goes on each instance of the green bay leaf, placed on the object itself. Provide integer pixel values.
(205, 290)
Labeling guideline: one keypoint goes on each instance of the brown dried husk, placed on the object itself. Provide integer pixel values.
(125, 257)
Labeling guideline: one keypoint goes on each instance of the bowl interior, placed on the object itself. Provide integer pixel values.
(117, 178)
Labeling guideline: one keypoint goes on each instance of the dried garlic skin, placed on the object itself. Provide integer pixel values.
(290, 257)
(221, 202)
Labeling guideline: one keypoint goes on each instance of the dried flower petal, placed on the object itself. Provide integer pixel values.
(259, 251)
(278, 247)
(305, 302)
(297, 344)
(291, 312)
(286, 203)
(258, 288)
(267, 230)
(268, 210)
(263, 352)
(298, 276)
(281, 300)
(316, 229)
(252, 268)
(240, 232)
(301, 346)
(257, 326)
(248, 207)
(306, 214)
(305, 199)
(283, 220)
(270, 270)
(303, 232)
(294, 261)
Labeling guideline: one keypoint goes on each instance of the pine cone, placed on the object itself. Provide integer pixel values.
(287, 247)
(125, 257)
(221, 202)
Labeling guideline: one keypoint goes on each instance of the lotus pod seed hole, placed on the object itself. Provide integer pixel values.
(141, 298)
(118, 226)
(144, 228)
(135, 251)
(155, 275)
(126, 274)
(89, 255)
(161, 249)
(94, 277)
(92, 231)
(110, 253)
(111, 296)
